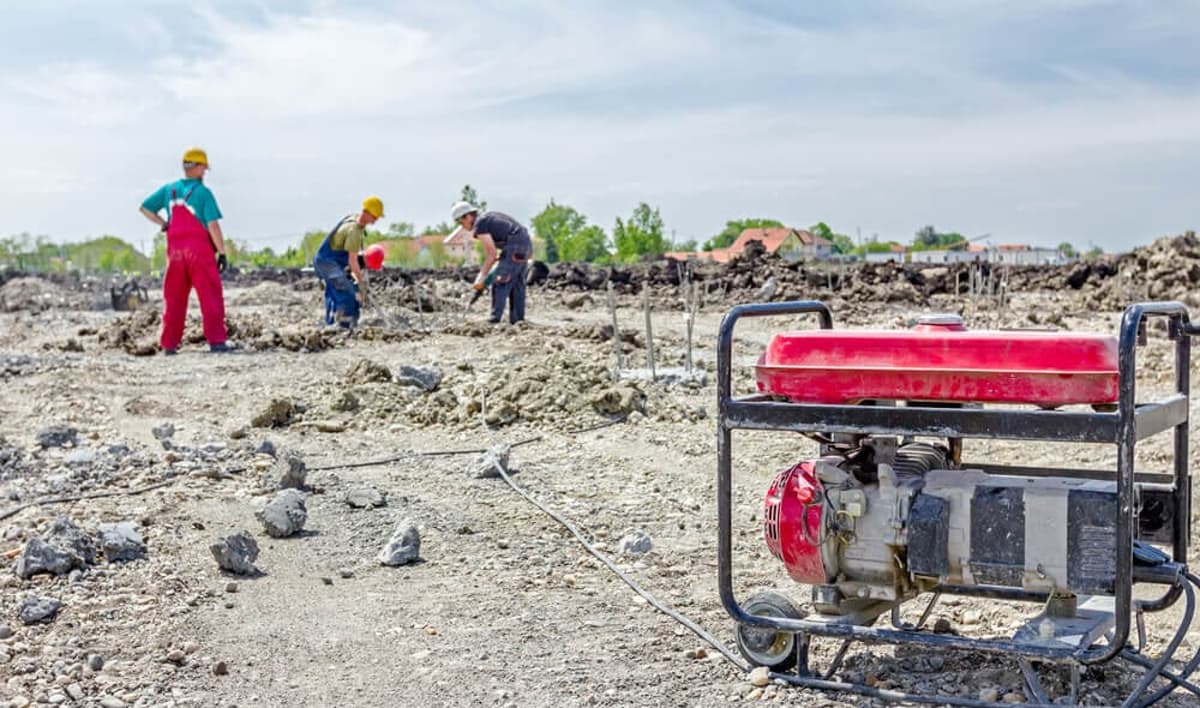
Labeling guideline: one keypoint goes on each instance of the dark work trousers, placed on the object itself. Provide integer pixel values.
(509, 286)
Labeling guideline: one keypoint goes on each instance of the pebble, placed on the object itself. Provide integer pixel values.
(236, 553)
(942, 626)
(989, 695)
(403, 547)
(700, 653)
(220, 668)
(110, 702)
(56, 699)
(1013, 697)
(760, 676)
(190, 647)
(754, 694)
(972, 617)
(95, 662)
(176, 656)
(635, 544)
(75, 691)
(5, 631)
(345, 572)
(365, 498)
(231, 587)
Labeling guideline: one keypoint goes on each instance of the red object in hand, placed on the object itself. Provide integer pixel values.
(374, 256)
(931, 363)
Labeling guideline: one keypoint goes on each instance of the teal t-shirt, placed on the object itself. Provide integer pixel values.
(200, 198)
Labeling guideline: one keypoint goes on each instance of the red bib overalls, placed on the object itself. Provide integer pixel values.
(190, 264)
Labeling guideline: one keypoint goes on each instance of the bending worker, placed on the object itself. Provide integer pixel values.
(499, 232)
(344, 297)
(195, 253)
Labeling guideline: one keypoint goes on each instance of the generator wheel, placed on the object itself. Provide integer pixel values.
(767, 647)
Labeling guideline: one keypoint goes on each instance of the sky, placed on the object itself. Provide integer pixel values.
(1032, 121)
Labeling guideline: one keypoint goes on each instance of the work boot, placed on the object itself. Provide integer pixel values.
(168, 352)
(221, 348)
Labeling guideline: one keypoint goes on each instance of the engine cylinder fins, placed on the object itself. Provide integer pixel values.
(771, 648)
(918, 458)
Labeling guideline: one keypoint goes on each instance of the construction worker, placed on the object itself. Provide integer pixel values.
(195, 253)
(344, 297)
(502, 233)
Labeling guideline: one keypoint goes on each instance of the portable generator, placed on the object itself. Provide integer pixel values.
(889, 511)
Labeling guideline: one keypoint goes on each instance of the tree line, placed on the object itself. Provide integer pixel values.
(560, 233)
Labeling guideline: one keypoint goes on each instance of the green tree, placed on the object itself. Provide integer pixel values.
(641, 235)
(589, 244)
(842, 244)
(443, 229)
(734, 228)
(469, 195)
(928, 238)
(1067, 250)
(555, 224)
(1093, 253)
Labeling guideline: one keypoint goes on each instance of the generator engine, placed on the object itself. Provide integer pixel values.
(882, 521)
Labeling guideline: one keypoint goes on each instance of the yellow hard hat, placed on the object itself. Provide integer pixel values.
(373, 206)
(197, 156)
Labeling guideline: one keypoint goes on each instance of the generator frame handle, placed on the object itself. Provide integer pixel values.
(1123, 428)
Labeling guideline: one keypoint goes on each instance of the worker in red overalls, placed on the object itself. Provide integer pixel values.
(195, 253)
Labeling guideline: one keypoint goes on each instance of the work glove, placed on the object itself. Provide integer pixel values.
(478, 287)
(222, 262)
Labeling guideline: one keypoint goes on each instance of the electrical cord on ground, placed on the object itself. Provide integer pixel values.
(1180, 679)
(1156, 670)
(399, 458)
(80, 497)
(645, 595)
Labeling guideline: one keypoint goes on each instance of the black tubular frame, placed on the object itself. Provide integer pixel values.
(1123, 428)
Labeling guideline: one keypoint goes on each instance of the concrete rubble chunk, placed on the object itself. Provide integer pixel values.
(284, 515)
(41, 557)
(365, 498)
(367, 371)
(121, 542)
(163, 432)
(290, 471)
(277, 414)
(66, 535)
(425, 378)
(635, 544)
(57, 436)
(403, 547)
(39, 609)
(484, 466)
(266, 447)
(236, 553)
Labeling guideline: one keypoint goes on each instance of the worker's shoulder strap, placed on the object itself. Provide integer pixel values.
(339, 225)
(175, 190)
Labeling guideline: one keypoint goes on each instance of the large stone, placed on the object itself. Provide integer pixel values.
(39, 609)
(121, 542)
(290, 471)
(57, 436)
(284, 515)
(616, 400)
(66, 535)
(40, 557)
(484, 466)
(365, 498)
(236, 553)
(426, 379)
(403, 547)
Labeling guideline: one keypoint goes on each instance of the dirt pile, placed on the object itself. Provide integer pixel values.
(1168, 269)
(35, 294)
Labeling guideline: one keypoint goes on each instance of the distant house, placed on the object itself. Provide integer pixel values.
(460, 245)
(717, 255)
(786, 242)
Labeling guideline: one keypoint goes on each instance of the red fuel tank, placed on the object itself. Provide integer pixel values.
(940, 361)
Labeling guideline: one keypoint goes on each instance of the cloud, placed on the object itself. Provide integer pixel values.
(886, 117)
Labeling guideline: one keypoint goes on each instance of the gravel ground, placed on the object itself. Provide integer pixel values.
(503, 608)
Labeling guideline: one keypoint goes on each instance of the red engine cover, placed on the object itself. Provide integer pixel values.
(792, 523)
(1047, 369)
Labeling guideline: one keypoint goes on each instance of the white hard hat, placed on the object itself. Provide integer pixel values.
(461, 209)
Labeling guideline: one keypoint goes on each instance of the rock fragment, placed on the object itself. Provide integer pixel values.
(284, 515)
(278, 414)
(365, 498)
(424, 378)
(121, 542)
(39, 609)
(290, 471)
(635, 544)
(57, 436)
(484, 466)
(236, 553)
(403, 547)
